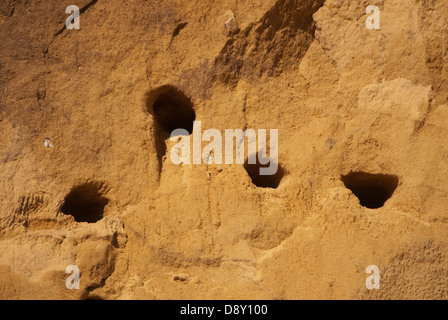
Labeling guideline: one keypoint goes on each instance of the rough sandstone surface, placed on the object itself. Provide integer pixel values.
(344, 99)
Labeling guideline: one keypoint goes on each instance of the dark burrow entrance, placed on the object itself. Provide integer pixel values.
(372, 190)
(171, 108)
(85, 203)
(264, 181)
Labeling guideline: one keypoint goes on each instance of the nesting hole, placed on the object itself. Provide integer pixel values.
(264, 180)
(172, 109)
(85, 203)
(372, 190)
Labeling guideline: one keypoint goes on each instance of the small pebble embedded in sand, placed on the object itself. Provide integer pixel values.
(48, 143)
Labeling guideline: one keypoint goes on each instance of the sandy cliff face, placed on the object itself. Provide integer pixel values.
(362, 119)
